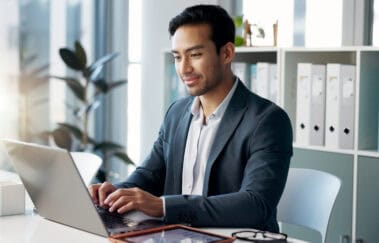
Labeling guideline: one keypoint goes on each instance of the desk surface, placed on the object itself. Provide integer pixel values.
(32, 228)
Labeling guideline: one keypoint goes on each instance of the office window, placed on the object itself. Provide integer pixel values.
(323, 20)
(300, 22)
(134, 79)
(9, 100)
(31, 32)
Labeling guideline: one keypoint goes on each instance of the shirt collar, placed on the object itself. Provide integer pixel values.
(220, 110)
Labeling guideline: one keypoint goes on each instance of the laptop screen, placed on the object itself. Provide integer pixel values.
(55, 186)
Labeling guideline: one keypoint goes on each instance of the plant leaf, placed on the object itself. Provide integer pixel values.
(69, 57)
(102, 61)
(80, 54)
(74, 85)
(238, 40)
(101, 85)
(91, 140)
(238, 20)
(62, 138)
(124, 157)
(77, 132)
(107, 146)
(115, 84)
(105, 87)
(73, 129)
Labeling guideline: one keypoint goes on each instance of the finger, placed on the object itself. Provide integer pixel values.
(120, 202)
(126, 208)
(103, 192)
(92, 189)
(118, 193)
(113, 197)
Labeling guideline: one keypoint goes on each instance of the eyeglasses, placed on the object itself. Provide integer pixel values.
(259, 236)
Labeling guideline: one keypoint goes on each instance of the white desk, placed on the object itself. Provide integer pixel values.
(31, 228)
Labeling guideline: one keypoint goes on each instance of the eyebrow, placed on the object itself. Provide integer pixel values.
(189, 49)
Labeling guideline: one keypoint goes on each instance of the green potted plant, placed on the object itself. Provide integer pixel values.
(65, 134)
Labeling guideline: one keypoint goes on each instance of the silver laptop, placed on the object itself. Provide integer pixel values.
(59, 194)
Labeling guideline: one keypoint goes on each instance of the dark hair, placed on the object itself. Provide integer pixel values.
(222, 25)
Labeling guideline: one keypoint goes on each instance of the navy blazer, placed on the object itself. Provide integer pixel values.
(245, 173)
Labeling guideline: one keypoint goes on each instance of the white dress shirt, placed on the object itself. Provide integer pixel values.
(200, 139)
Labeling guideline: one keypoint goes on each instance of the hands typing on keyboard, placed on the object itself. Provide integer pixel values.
(116, 220)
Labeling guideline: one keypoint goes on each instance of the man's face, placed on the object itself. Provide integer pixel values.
(196, 60)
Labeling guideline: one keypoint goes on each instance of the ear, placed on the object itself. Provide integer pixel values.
(227, 52)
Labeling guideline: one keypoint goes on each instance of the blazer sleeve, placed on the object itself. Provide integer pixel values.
(150, 175)
(265, 174)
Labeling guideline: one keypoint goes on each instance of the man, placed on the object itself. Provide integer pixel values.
(222, 155)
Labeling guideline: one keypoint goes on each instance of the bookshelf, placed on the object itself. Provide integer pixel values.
(354, 216)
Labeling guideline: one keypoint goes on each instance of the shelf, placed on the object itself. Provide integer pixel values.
(324, 149)
(256, 49)
(369, 153)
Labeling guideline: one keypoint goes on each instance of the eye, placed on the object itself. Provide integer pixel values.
(177, 58)
(196, 54)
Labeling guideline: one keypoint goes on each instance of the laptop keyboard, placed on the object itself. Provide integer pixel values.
(114, 220)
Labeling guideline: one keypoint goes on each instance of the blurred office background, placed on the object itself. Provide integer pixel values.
(32, 31)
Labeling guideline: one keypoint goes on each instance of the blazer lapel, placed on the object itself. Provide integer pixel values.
(229, 123)
(179, 147)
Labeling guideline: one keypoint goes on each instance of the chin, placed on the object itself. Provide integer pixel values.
(197, 90)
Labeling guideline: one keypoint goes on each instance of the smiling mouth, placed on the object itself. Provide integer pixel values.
(190, 81)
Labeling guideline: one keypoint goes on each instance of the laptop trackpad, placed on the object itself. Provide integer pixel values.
(132, 221)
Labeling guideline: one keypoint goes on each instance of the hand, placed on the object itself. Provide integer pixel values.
(100, 191)
(124, 200)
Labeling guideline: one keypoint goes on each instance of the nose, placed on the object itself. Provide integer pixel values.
(185, 66)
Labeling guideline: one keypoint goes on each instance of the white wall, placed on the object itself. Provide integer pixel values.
(155, 39)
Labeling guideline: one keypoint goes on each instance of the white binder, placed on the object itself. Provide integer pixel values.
(310, 107)
(317, 114)
(262, 85)
(242, 70)
(253, 78)
(273, 83)
(267, 81)
(340, 106)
